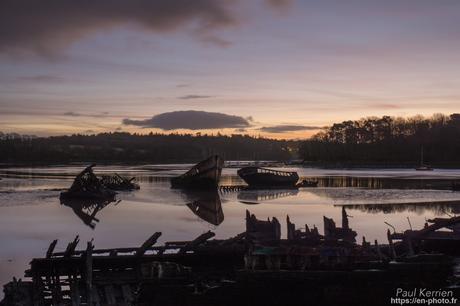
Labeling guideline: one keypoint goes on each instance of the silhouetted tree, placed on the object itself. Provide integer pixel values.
(387, 140)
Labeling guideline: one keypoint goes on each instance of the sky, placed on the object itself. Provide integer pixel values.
(272, 68)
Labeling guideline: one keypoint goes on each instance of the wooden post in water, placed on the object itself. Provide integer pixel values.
(390, 242)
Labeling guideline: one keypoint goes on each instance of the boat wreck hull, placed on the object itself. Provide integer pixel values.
(266, 178)
(204, 175)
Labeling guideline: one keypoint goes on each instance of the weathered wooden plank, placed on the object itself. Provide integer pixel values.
(197, 241)
(148, 243)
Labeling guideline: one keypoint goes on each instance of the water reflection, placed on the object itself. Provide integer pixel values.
(257, 196)
(384, 182)
(437, 208)
(206, 205)
(86, 209)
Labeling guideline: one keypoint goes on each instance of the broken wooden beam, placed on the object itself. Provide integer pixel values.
(71, 247)
(50, 250)
(148, 243)
(197, 241)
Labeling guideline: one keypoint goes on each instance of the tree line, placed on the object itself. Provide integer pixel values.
(387, 141)
(138, 148)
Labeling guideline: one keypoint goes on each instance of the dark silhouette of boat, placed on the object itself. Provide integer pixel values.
(87, 185)
(307, 183)
(204, 175)
(257, 177)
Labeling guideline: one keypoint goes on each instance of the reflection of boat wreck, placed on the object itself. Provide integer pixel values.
(86, 209)
(255, 267)
(438, 207)
(206, 205)
(257, 177)
(204, 175)
(253, 196)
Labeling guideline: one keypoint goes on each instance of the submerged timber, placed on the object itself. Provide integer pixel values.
(256, 267)
(204, 175)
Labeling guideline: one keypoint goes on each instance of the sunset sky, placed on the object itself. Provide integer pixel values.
(274, 68)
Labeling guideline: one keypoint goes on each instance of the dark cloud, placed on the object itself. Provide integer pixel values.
(187, 97)
(191, 120)
(71, 114)
(46, 26)
(75, 114)
(280, 4)
(288, 128)
(386, 106)
(43, 78)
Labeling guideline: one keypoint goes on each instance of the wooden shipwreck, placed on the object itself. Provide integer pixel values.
(255, 267)
(438, 235)
(119, 183)
(204, 175)
(87, 186)
(257, 177)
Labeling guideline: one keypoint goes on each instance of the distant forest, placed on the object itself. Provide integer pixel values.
(135, 148)
(387, 141)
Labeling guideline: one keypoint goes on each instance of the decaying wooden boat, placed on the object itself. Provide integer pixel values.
(87, 185)
(204, 175)
(307, 184)
(253, 267)
(119, 183)
(438, 234)
(257, 177)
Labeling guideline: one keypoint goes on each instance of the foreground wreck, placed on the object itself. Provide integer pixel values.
(255, 267)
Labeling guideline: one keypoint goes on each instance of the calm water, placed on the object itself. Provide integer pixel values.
(31, 215)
